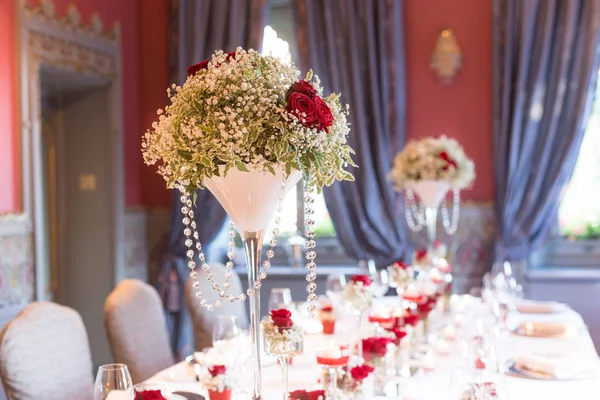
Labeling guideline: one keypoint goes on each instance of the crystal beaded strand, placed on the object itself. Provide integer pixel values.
(190, 229)
(415, 217)
(451, 224)
(311, 266)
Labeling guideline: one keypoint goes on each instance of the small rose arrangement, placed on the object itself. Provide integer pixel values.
(353, 384)
(488, 388)
(282, 336)
(327, 317)
(218, 383)
(400, 274)
(433, 159)
(358, 292)
(421, 257)
(307, 395)
(149, 395)
(375, 349)
(397, 334)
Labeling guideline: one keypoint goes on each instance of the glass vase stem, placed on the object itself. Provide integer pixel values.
(332, 383)
(253, 248)
(431, 221)
(285, 365)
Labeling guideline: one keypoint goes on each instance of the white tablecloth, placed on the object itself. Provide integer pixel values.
(434, 385)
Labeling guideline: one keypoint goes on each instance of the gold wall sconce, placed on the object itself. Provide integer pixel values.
(446, 59)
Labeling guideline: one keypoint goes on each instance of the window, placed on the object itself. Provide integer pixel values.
(292, 216)
(579, 212)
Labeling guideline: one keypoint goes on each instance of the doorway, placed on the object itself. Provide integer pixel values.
(76, 261)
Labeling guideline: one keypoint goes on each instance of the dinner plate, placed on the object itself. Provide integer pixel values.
(186, 396)
(535, 307)
(512, 370)
(546, 330)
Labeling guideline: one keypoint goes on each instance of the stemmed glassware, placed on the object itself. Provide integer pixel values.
(113, 382)
(333, 355)
(381, 282)
(335, 287)
(226, 335)
(280, 298)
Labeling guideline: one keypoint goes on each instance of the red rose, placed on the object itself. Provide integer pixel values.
(316, 395)
(217, 370)
(436, 244)
(281, 313)
(376, 346)
(364, 279)
(324, 114)
(399, 333)
(412, 320)
(449, 161)
(303, 87)
(401, 265)
(426, 307)
(149, 395)
(303, 107)
(360, 372)
(327, 309)
(420, 254)
(282, 318)
(298, 395)
(193, 70)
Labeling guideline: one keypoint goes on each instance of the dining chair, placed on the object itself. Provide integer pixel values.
(137, 330)
(45, 354)
(204, 320)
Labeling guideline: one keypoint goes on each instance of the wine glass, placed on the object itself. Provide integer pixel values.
(280, 298)
(333, 355)
(335, 286)
(226, 333)
(113, 382)
(381, 282)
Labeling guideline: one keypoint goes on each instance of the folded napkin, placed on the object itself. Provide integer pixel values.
(537, 307)
(542, 329)
(551, 367)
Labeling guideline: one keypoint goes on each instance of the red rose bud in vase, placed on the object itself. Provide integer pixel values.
(216, 382)
(149, 395)
(398, 333)
(375, 348)
(364, 279)
(327, 318)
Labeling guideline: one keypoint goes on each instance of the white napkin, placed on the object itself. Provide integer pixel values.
(538, 307)
(552, 367)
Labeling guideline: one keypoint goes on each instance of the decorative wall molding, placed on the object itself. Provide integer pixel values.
(46, 10)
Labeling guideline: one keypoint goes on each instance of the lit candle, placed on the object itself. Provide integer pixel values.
(459, 319)
(428, 363)
(442, 347)
(449, 333)
(436, 276)
(412, 293)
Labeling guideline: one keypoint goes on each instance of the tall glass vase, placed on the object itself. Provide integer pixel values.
(251, 199)
(431, 223)
(253, 250)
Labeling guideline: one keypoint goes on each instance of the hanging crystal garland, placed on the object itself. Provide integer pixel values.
(415, 215)
(450, 224)
(190, 231)
(309, 221)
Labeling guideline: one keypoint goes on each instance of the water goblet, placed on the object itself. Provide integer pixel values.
(225, 335)
(280, 298)
(113, 382)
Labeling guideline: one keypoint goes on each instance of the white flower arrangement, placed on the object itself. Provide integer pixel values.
(217, 382)
(358, 295)
(400, 274)
(243, 108)
(282, 342)
(435, 159)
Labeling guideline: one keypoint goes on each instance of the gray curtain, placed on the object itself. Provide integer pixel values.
(198, 28)
(546, 63)
(357, 48)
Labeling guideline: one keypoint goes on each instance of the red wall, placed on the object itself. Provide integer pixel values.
(154, 33)
(462, 109)
(10, 171)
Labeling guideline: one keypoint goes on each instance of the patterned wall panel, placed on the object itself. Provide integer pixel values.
(16, 270)
(136, 250)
